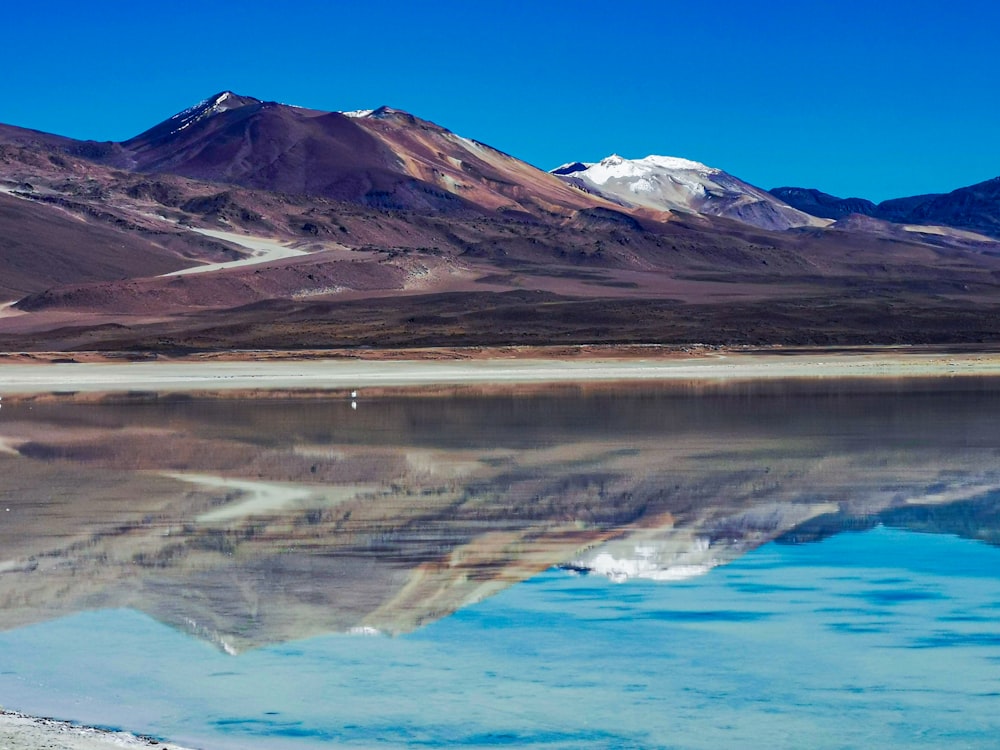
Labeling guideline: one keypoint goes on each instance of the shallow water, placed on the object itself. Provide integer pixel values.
(753, 566)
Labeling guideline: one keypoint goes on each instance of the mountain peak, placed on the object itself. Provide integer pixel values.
(392, 114)
(615, 167)
(386, 111)
(203, 111)
(676, 184)
(221, 102)
(229, 100)
(380, 113)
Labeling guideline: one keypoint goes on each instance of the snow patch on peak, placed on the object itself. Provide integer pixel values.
(672, 183)
(676, 162)
(223, 102)
(357, 113)
(615, 167)
(191, 110)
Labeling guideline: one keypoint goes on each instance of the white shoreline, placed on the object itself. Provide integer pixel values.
(22, 732)
(341, 374)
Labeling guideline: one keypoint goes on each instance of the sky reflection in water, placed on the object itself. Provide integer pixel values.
(882, 638)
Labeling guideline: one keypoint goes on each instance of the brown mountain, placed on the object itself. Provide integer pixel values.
(386, 159)
(472, 170)
(254, 144)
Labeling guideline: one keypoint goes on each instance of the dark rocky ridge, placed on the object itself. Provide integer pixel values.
(823, 204)
(975, 208)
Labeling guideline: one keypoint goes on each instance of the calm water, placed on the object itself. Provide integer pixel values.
(743, 566)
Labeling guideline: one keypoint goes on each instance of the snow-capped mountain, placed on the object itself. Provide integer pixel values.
(676, 184)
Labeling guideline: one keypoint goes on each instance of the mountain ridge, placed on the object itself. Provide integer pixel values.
(357, 169)
(974, 207)
(298, 228)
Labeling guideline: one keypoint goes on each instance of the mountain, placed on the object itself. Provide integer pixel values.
(479, 173)
(204, 112)
(675, 184)
(384, 158)
(975, 208)
(822, 204)
(268, 146)
(296, 228)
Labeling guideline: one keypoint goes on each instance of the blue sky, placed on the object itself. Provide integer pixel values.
(877, 99)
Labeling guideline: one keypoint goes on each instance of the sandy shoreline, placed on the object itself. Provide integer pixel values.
(22, 732)
(350, 374)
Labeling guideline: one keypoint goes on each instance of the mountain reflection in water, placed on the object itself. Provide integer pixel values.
(248, 522)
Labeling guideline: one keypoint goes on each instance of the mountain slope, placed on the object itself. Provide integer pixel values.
(43, 246)
(384, 158)
(976, 207)
(822, 204)
(246, 142)
(675, 184)
(470, 169)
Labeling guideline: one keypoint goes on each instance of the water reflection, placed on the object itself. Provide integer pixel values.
(249, 522)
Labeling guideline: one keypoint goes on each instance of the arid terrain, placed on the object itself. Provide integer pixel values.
(299, 229)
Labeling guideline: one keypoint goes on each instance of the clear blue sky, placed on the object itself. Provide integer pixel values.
(876, 98)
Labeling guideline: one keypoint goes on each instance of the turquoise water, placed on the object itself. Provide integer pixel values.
(881, 638)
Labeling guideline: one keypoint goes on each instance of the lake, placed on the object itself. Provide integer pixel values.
(780, 564)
